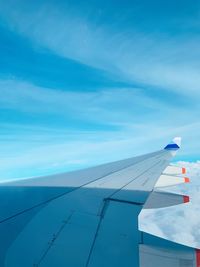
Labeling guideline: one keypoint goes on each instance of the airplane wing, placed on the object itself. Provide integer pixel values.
(89, 218)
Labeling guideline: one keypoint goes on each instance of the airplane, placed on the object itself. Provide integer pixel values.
(89, 218)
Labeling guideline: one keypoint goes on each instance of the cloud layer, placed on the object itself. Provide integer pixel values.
(179, 223)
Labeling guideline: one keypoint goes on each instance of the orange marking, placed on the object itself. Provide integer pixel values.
(183, 170)
(186, 199)
(187, 180)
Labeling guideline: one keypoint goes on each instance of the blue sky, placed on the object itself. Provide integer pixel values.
(85, 82)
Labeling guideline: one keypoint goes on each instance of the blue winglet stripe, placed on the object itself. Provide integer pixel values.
(172, 146)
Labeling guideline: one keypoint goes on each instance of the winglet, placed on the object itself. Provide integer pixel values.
(175, 144)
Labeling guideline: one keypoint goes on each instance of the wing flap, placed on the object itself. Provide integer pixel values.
(155, 251)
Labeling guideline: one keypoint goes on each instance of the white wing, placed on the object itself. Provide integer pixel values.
(87, 218)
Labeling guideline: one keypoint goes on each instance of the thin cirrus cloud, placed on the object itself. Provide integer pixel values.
(45, 131)
(165, 53)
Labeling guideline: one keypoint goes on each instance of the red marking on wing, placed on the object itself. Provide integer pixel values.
(183, 170)
(197, 257)
(187, 180)
(186, 199)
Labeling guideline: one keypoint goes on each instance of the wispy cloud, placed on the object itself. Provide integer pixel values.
(167, 58)
(47, 131)
(115, 105)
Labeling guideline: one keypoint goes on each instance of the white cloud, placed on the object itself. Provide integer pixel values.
(180, 223)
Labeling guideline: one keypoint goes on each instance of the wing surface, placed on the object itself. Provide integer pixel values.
(87, 218)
